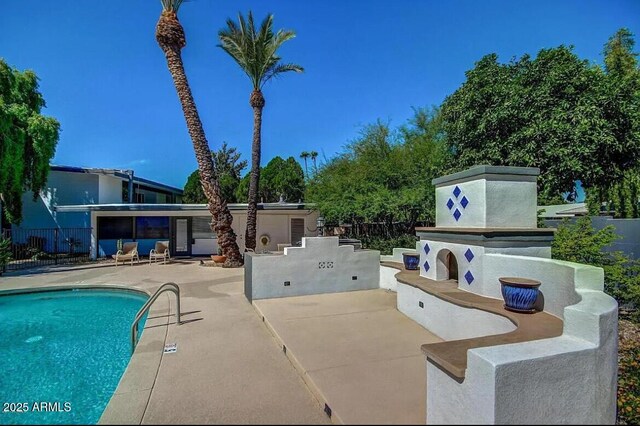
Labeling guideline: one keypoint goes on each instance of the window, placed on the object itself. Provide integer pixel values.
(139, 198)
(201, 228)
(152, 227)
(113, 228)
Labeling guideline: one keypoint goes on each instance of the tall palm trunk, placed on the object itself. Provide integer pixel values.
(170, 37)
(257, 103)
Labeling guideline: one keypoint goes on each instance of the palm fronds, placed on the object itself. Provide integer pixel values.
(255, 51)
(171, 5)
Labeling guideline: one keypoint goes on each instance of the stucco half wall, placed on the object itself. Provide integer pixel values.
(321, 265)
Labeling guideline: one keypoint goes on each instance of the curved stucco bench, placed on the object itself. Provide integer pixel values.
(451, 356)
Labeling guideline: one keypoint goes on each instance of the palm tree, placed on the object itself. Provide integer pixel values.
(304, 155)
(314, 155)
(170, 36)
(256, 53)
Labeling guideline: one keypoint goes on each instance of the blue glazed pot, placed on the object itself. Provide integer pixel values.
(411, 261)
(519, 294)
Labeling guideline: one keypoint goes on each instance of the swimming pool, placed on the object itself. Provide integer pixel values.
(62, 353)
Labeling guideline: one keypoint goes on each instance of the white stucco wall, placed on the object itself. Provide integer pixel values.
(492, 203)
(570, 379)
(446, 320)
(319, 266)
(388, 278)
(559, 279)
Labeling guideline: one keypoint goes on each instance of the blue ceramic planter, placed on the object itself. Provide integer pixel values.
(411, 261)
(519, 294)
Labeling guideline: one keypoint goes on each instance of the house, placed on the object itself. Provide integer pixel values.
(187, 226)
(89, 186)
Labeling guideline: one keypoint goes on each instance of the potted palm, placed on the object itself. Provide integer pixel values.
(219, 258)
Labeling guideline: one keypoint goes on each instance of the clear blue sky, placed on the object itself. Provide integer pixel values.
(105, 79)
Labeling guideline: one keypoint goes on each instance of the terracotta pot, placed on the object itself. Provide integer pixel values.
(217, 258)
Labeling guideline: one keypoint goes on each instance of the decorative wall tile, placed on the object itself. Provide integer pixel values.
(427, 249)
(464, 202)
(469, 255)
(469, 277)
(455, 200)
(426, 266)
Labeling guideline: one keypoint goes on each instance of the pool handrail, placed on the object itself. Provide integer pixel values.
(172, 287)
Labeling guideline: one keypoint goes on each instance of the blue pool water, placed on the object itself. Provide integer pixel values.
(64, 347)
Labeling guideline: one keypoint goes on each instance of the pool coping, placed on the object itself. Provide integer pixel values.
(129, 400)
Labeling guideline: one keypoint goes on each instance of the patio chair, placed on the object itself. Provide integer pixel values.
(129, 252)
(160, 252)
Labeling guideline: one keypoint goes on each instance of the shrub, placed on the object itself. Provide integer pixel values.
(5, 253)
(386, 245)
(580, 242)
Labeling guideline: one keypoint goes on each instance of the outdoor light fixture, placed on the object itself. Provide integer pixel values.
(320, 225)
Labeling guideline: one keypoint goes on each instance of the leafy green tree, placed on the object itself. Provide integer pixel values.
(171, 39)
(277, 178)
(383, 178)
(621, 197)
(228, 168)
(255, 50)
(28, 139)
(556, 112)
(619, 57)
(283, 178)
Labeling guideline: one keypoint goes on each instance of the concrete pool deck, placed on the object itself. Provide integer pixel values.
(353, 351)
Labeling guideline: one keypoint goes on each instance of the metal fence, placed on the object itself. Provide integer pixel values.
(51, 246)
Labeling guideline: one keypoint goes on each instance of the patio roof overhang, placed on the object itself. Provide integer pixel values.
(176, 207)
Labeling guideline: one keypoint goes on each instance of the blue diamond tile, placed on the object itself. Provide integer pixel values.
(469, 277)
(469, 255)
(456, 191)
(464, 202)
(426, 266)
(427, 249)
(457, 214)
(450, 203)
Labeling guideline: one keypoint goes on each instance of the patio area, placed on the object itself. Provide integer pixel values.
(352, 351)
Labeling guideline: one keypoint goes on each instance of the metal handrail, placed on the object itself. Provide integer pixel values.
(172, 287)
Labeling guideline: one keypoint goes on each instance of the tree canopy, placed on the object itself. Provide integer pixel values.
(555, 111)
(28, 139)
(278, 177)
(228, 167)
(384, 176)
(621, 197)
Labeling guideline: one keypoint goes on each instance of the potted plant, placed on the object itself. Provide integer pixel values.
(411, 260)
(519, 294)
(219, 258)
